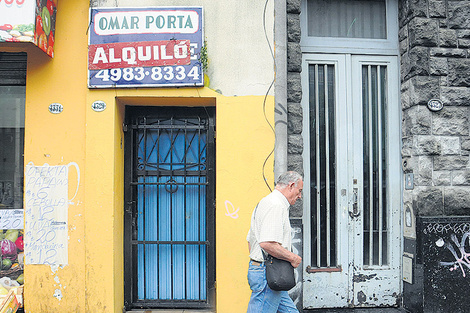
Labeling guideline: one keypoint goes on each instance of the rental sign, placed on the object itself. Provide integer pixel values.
(145, 47)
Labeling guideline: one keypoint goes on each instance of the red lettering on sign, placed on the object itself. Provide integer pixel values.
(138, 54)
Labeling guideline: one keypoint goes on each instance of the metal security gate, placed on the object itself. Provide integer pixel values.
(170, 212)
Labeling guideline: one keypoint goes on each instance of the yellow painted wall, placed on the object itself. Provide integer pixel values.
(59, 139)
(93, 279)
(244, 141)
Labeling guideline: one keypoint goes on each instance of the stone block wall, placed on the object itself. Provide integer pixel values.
(294, 96)
(434, 41)
(434, 44)
(295, 144)
(434, 49)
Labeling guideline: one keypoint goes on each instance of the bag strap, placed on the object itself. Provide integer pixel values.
(265, 254)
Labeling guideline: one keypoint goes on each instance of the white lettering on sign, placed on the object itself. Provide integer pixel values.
(146, 22)
(157, 73)
(133, 54)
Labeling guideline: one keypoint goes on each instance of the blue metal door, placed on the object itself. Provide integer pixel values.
(169, 244)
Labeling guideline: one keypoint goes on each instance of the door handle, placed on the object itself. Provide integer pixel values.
(354, 211)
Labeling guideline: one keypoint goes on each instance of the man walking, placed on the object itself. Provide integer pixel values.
(270, 231)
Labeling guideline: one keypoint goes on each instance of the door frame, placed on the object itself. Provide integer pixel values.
(344, 91)
(130, 207)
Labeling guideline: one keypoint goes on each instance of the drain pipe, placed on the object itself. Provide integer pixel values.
(280, 87)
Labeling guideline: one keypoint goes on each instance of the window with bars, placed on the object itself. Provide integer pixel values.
(374, 108)
(322, 166)
(323, 173)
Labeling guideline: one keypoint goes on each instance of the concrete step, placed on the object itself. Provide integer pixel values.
(358, 310)
(171, 311)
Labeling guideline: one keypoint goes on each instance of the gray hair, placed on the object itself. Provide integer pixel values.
(287, 178)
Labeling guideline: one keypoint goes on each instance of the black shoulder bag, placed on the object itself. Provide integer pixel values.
(279, 273)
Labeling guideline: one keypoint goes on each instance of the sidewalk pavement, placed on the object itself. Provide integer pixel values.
(372, 310)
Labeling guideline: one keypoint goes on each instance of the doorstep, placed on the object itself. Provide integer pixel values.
(358, 310)
(172, 311)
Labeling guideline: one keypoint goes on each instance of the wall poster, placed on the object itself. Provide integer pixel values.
(46, 213)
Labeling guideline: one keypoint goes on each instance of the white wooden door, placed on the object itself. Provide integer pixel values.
(352, 165)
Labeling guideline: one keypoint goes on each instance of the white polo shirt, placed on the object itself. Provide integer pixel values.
(270, 222)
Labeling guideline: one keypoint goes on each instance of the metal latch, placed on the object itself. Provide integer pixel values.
(355, 208)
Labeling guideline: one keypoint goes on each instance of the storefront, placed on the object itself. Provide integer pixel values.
(31, 23)
(12, 89)
(135, 142)
(142, 176)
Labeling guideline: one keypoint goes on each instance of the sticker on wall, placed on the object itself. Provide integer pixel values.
(409, 227)
(98, 106)
(408, 269)
(56, 108)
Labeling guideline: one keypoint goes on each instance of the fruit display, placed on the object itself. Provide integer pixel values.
(29, 21)
(12, 256)
(21, 32)
(45, 23)
(17, 20)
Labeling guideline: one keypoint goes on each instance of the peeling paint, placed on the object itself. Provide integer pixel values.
(55, 267)
(58, 294)
(361, 278)
(361, 297)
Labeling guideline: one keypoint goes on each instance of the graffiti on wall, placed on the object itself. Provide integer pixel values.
(461, 256)
(296, 292)
(231, 212)
(458, 249)
(444, 252)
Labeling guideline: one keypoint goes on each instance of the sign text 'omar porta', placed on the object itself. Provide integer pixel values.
(145, 47)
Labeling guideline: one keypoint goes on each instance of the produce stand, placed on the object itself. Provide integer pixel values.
(10, 303)
(11, 259)
(11, 269)
(12, 273)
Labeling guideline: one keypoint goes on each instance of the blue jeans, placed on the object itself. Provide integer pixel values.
(264, 299)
